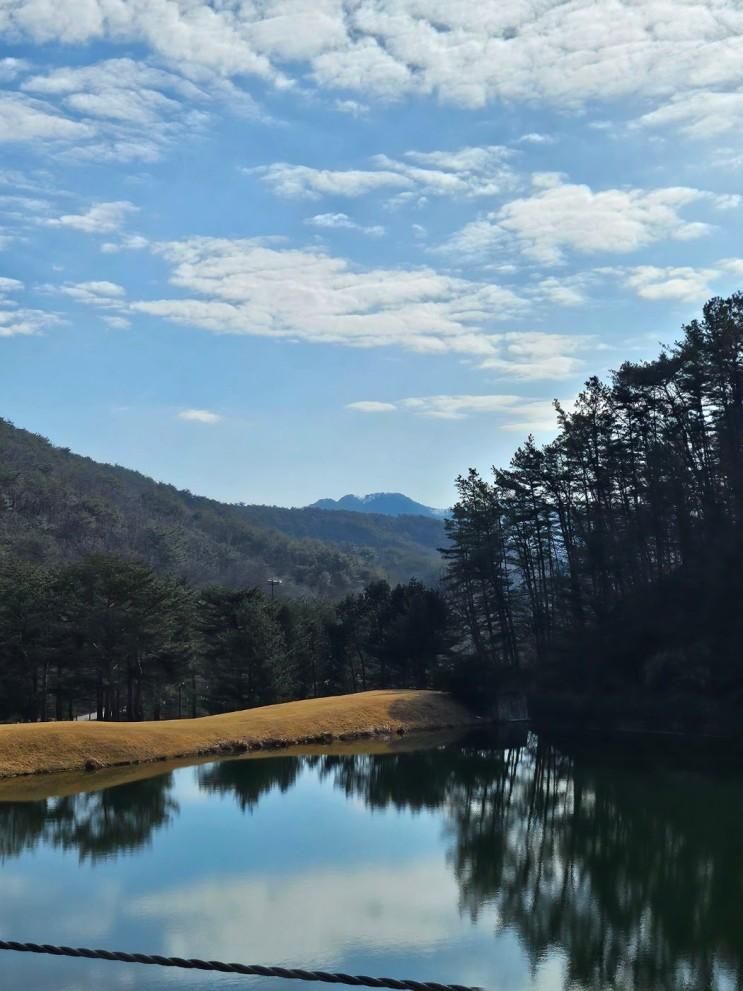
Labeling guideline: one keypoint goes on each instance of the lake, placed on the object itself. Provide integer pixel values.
(511, 867)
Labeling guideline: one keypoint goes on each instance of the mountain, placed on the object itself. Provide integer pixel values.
(56, 506)
(384, 503)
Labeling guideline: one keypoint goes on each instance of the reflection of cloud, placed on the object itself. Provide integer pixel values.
(412, 906)
(25, 901)
(15, 886)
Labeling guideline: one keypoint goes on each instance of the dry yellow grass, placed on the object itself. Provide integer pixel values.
(39, 748)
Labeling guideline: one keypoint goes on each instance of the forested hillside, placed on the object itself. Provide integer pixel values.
(57, 507)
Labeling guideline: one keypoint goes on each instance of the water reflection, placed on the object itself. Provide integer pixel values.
(635, 878)
(249, 781)
(96, 824)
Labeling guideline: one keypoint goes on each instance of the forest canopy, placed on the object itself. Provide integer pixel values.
(610, 557)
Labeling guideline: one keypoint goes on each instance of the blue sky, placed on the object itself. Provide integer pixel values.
(275, 250)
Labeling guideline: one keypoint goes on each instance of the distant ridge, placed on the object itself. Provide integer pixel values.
(384, 503)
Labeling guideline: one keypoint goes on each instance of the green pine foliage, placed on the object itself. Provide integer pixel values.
(111, 638)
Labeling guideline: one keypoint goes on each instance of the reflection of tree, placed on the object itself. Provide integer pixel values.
(250, 780)
(21, 827)
(639, 877)
(417, 781)
(96, 824)
(636, 878)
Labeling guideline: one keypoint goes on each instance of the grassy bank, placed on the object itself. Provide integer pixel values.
(40, 748)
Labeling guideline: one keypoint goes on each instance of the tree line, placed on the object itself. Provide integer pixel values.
(609, 558)
(111, 638)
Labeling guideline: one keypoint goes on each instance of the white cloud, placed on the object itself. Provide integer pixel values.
(128, 242)
(684, 283)
(730, 159)
(192, 35)
(19, 321)
(564, 216)
(533, 355)
(25, 322)
(248, 287)
(565, 54)
(199, 416)
(371, 406)
(127, 88)
(734, 265)
(352, 107)
(295, 181)
(534, 138)
(10, 68)
(17, 207)
(108, 295)
(101, 218)
(514, 412)
(115, 110)
(567, 291)
(117, 323)
(468, 172)
(699, 114)
(458, 407)
(343, 221)
(25, 119)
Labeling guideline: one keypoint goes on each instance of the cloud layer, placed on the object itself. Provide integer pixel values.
(466, 54)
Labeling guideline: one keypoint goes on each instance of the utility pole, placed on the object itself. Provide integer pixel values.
(273, 582)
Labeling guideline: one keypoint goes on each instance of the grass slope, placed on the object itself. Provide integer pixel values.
(36, 748)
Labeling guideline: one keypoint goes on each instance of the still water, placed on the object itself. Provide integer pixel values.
(511, 868)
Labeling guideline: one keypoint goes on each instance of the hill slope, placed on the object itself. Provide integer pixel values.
(386, 503)
(59, 506)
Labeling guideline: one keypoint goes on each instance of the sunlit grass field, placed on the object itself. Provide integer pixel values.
(33, 748)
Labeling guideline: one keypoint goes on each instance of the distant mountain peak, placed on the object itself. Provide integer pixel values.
(384, 503)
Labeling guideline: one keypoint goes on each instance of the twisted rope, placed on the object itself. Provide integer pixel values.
(250, 970)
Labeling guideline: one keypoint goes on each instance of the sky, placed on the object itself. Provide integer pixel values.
(278, 250)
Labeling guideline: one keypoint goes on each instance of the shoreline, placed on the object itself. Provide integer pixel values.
(31, 749)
